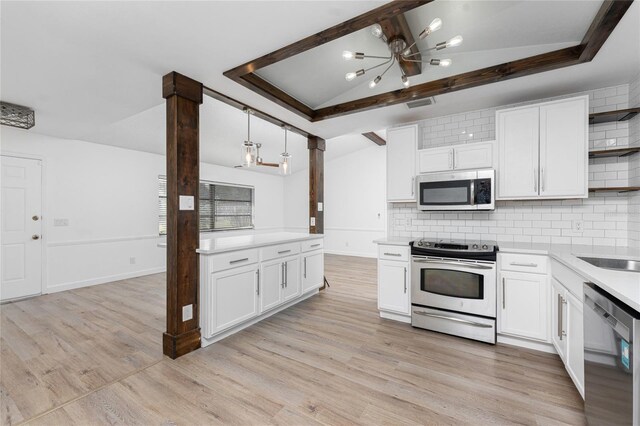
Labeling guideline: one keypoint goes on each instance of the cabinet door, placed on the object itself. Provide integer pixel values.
(524, 300)
(473, 156)
(271, 283)
(312, 271)
(401, 163)
(517, 135)
(292, 286)
(559, 319)
(575, 341)
(393, 286)
(235, 296)
(564, 147)
(435, 160)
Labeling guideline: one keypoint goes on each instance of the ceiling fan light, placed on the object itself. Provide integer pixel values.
(405, 81)
(373, 83)
(376, 30)
(435, 25)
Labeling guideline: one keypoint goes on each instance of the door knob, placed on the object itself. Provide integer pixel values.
(35, 237)
(35, 217)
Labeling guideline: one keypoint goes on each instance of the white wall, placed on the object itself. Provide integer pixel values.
(606, 216)
(354, 201)
(110, 197)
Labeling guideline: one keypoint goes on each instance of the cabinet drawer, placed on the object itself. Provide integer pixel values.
(281, 250)
(312, 244)
(234, 259)
(531, 263)
(393, 253)
(568, 278)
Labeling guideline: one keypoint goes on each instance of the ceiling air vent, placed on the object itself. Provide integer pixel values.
(17, 116)
(421, 102)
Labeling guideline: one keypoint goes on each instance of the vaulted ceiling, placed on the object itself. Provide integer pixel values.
(92, 70)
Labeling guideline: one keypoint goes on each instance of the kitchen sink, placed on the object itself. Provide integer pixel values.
(626, 265)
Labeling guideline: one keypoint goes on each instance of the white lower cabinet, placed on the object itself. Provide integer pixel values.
(312, 270)
(394, 282)
(234, 297)
(523, 305)
(575, 341)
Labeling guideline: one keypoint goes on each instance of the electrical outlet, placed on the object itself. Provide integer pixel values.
(187, 312)
(578, 226)
(132, 260)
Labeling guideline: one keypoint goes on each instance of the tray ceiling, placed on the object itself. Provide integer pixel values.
(494, 32)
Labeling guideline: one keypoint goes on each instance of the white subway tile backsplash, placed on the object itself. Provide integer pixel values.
(607, 218)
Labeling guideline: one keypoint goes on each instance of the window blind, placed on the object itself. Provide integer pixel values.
(222, 206)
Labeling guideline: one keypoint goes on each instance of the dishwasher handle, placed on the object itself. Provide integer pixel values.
(608, 318)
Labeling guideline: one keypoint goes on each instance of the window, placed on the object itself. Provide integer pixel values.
(222, 206)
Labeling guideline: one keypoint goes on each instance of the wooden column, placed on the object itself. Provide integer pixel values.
(184, 97)
(316, 147)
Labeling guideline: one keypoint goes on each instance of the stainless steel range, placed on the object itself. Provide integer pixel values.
(453, 288)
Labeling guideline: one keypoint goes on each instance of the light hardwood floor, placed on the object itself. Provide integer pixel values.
(88, 357)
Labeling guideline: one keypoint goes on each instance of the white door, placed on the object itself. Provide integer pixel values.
(401, 163)
(473, 156)
(271, 283)
(564, 145)
(312, 271)
(393, 286)
(517, 135)
(291, 288)
(559, 319)
(435, 160)
(575, 341)
(235, 296)
(523, 303)
(21, 207)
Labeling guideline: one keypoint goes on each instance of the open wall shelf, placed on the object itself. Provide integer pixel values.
(616, 189)
(618, 152)
(610, 116)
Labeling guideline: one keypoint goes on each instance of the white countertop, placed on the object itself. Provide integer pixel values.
(623, 285)
(240, 242)
(394, 241)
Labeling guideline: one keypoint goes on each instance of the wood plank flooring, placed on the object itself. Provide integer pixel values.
(88, 357)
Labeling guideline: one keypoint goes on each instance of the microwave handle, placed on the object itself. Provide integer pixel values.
(472, 200)
(413, 186)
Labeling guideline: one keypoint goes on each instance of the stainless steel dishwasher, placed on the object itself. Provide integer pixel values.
(611, 369)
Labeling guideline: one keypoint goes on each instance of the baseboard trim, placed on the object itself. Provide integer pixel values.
(395, 317)
(103, 280)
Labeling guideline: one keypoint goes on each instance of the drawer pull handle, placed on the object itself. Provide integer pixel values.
(315, 245)
(528, 265)
(238, 260)
(393, 254)
(284, 251)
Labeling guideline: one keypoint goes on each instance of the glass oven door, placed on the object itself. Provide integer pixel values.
(467, 286)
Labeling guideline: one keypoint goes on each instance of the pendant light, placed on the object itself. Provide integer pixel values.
(248, 147)
(285, 157)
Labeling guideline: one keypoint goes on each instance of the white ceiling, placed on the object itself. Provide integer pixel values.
(92, 70)
(494, 32)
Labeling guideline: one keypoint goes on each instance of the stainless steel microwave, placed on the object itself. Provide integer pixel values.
(469, 190)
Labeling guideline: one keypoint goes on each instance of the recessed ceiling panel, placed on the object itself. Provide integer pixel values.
(494, 32)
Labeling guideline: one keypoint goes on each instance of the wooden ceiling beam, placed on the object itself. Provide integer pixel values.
(373, 137)
(397, 27)
(607, 18)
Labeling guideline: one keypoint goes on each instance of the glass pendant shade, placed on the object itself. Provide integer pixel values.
(285, 164)
(248, 154)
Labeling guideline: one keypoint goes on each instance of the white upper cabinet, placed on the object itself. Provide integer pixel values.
(456, 157)
(435, 159)
(543, 150)
(564, 144)
(401, 163)
(517, 134)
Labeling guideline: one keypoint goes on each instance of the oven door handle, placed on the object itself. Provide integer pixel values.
(444, 262)
(473, 323)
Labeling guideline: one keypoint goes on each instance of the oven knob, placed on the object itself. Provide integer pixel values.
(485, 247)
(427, 244)
(475, 246)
